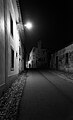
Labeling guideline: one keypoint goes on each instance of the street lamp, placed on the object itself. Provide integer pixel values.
(28, 25)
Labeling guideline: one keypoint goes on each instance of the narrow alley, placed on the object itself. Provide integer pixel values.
(36, 60)
(36, 95)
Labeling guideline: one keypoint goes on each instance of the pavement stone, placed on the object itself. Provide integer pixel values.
(10, 100)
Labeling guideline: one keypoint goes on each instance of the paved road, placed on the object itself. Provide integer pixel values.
(46, 96)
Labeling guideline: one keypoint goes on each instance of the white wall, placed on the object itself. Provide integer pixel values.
(12, 41)
(2, 44)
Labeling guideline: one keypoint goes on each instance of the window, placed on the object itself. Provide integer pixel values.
(11, 25)
(12, 59)
(16, 54)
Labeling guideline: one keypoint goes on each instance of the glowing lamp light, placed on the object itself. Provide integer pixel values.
(28, 25)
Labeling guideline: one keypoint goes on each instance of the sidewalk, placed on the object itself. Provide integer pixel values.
(65, 75)
(10, 100)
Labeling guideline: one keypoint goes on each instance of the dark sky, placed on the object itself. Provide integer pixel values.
(52, 23)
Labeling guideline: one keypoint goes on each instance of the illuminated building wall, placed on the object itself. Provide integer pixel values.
(2, 45)
(9, 41)
(21, 57)
(12, 38)
(38, 57)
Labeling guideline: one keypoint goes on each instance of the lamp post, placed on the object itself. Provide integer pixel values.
(28, 26)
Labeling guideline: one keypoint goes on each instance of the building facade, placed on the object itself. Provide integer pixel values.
(9, 41)
(32, 58)
(21, 57)
(38, 57)
(63, 59)
(2, 44)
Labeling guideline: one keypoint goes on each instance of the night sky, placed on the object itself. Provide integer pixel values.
(52, 23)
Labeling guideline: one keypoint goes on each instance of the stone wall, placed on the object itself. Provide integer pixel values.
(65, 59)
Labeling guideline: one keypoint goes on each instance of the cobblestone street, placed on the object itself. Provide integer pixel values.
(10, 100)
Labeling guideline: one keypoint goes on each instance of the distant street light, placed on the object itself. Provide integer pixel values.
(28, 25)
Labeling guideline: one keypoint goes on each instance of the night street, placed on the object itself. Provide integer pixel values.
(36, 60)
(46, 96)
